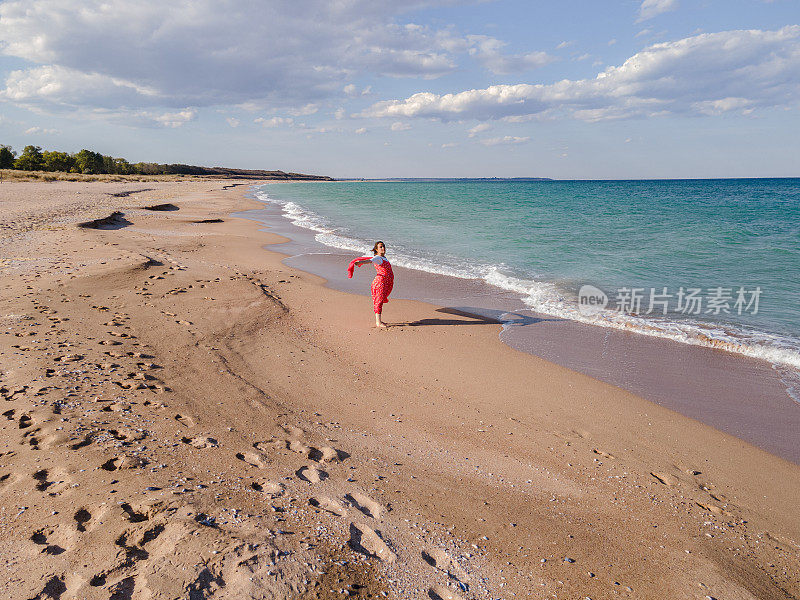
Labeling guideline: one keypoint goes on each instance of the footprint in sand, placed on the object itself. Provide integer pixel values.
(440, 592)
(54, 484)
(41, 478)
(299, 447)
(365, 504)
(7, 480)
(69, 358)
(201, 442)
(82, 517)
(269, 488)
(665, 478)
(713, 508)
(52, 438)
(56, 540)
(719, 497)
(293, 432)
(311, 474)
(126, 434)
(130, 385)
(9, 393)
(132, 514)
(83, 442)
(327, 454)
(121, 334)
(184, 420)
(124, 461)
(602, 453)
(328, 504)
(441, 560)
(255, 459)
(368, 541)
(31, 438)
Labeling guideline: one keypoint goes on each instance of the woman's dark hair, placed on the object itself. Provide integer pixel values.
(375, 247)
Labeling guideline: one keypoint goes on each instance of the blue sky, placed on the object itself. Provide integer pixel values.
(370, 88)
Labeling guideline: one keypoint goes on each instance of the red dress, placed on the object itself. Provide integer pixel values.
(382, 284)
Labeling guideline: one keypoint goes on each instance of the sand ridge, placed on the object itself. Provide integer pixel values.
(184, 416)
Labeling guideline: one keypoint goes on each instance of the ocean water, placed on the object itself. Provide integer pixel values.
(705, 262)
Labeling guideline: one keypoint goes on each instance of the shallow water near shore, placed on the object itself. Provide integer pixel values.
(705, 262)
(749, 398)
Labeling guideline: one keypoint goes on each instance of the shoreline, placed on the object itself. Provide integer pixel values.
(515, 475)
(738, 394)
(557, 300)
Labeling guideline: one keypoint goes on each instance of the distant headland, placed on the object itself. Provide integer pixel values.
(87, 162)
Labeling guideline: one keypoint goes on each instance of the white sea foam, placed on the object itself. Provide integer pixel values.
(545, 297)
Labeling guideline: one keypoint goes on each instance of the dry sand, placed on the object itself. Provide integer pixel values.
(183, 416)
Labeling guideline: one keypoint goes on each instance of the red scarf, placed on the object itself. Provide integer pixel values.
(352, 266)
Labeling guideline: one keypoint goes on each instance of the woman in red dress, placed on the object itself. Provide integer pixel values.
(383, 282)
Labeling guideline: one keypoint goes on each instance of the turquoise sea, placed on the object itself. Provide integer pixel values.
(721, 257)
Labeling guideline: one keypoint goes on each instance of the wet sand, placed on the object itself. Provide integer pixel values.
(184, 415)
(742, 396)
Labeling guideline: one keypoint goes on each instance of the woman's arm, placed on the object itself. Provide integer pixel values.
(363, 262)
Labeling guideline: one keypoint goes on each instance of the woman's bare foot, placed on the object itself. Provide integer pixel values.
(379, 322)
(381, 325)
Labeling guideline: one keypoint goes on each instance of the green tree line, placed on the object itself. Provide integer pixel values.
(33, 158)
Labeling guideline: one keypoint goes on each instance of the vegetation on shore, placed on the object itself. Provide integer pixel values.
(33, 159)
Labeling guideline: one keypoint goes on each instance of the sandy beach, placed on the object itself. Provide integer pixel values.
(185, 416)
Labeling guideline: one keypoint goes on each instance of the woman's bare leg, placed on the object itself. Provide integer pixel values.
(379, 322)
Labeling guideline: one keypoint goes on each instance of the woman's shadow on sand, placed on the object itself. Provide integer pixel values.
(476, 316)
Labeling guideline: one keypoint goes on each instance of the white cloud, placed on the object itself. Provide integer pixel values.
(652, 8)
(65, 85)
(233, 121)
(361, 130)
(449, 145)
(144, 118)
(175, 119)
(41, 130)
(761, 68)
(274, 121)
(517, 119)
(508, 140)
(473, 131)
(487, 50)
(400, 126)
(612, 41)
(339, 114)
(114, 53)
(303, 111)
(565, 44)
(352, 91)
(723, 105)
